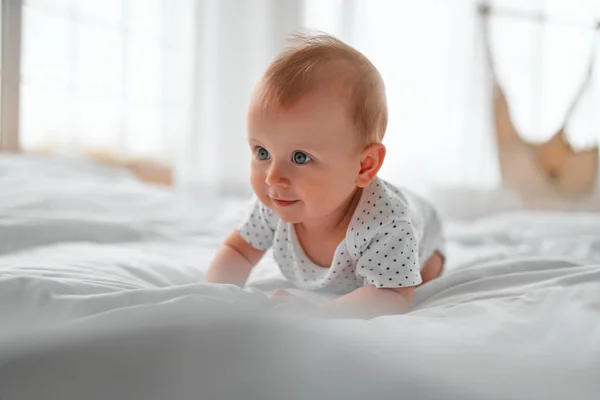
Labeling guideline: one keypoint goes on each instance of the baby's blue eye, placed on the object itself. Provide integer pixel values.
(300, 158)
(262, 154)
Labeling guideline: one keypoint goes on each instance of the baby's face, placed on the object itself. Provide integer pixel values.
(305, 159)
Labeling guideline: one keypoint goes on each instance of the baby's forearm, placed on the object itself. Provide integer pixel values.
(369, 302)
(229, 266)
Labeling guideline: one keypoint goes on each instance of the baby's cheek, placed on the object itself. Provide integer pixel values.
(330, 195)
(257, 180)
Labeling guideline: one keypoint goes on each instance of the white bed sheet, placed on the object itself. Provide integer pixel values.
(101, 278)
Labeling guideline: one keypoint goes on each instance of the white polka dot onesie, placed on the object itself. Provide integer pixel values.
(391, 234)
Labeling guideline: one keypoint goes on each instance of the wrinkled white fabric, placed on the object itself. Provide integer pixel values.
(121, 312)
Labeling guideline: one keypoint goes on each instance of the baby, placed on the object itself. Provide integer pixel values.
(315, 125)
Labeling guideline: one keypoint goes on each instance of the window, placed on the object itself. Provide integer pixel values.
(106, 74)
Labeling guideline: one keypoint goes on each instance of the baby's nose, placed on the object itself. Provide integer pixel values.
(276, 177)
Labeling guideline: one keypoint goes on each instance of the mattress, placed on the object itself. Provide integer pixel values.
(101, 296)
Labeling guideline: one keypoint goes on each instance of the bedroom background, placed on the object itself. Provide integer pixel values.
(493, 116)
(161, 87)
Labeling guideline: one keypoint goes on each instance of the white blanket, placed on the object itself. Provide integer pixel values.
(101, 296)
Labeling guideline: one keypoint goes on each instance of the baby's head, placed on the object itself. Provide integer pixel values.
(315, 126)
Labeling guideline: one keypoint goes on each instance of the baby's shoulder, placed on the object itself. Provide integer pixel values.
(387, 208)
(381, 205)
(408, 204)
(381, 201)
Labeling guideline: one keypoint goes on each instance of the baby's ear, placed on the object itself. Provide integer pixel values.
(371, 161)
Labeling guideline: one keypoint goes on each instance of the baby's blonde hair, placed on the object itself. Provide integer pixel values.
(320, 61)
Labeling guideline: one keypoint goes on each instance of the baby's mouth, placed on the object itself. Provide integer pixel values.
(283, 203)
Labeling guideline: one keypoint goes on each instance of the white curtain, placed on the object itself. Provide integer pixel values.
(235, 40)
(110, 75)
(171, 79)
(163, 79)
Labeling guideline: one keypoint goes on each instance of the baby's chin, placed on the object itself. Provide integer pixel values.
(288, 216)
(292, 214)
(292, 217)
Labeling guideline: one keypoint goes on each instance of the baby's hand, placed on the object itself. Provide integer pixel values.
(285, 300)
(283, 296)
(280, 292)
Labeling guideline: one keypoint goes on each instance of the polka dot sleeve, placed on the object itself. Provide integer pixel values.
(259, 228)
(390, 259)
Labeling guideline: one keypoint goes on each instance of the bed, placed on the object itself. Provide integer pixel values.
(101, 296)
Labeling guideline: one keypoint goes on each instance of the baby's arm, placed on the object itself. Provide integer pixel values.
(370, 302)
(388, 265)
(233, 261)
